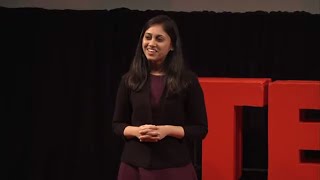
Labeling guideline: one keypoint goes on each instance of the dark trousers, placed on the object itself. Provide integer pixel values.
(128, 172)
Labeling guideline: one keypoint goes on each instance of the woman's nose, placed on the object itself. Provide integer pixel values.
(152, 42)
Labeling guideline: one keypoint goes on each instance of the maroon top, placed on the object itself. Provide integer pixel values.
(157, 86)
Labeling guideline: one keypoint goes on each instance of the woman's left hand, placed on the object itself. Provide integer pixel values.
(163, 131)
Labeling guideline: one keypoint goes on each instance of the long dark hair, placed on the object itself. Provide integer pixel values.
(174, 67)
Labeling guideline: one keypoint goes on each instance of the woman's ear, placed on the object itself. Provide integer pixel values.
(171, 48)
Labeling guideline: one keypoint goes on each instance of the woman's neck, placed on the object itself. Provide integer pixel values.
(156, 73)
(157, 70)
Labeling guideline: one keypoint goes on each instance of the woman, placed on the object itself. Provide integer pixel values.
(159, 106)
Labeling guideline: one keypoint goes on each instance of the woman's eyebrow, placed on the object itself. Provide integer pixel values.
(157, 35)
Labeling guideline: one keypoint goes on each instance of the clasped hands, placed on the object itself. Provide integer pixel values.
(151, 133)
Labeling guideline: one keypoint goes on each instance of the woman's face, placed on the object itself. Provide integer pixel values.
(156, 44)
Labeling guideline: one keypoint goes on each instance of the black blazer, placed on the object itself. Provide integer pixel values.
(186, 109)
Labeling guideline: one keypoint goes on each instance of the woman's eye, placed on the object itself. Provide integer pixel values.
(160, 39)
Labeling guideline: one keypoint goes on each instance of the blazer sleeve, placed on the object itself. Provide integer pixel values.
(196, 125)
(122, 112)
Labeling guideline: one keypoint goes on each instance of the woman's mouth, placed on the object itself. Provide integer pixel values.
(151, 50)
